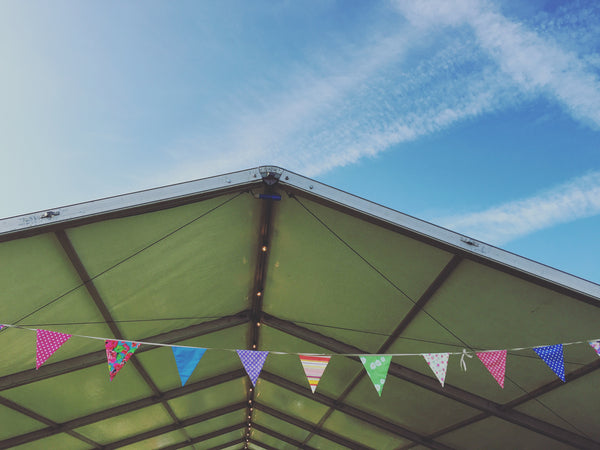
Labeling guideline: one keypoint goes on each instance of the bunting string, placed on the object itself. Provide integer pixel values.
(469, 354)
(118, 352)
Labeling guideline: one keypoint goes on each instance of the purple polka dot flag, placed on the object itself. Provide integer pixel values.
(438, 362)
(552, 355)
(253, 361)
(495, 362)
(47, 343)
(596, 346)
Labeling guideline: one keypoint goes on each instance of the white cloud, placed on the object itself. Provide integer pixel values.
(577, 199)
(534, 62)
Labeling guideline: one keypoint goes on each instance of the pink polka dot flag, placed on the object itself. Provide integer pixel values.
(47, 343)
(253, 362)
(596, 346)
(438, 362)
(495, 362)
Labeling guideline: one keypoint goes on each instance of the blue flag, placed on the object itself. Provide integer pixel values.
(553, 357)
(187, 359)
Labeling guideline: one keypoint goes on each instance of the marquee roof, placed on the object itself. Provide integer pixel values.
(268, 259)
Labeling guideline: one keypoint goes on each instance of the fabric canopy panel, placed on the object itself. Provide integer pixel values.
(243, 273)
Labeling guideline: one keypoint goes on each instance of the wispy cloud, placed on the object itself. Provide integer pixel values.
(534, 62)
(576, 199)
(446, 62)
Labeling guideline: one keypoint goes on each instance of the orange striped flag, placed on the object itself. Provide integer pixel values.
(314, 366)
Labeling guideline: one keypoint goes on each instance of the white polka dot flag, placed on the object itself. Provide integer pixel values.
(438, 362)
(596, 346)
(495, 362)
(253, 361)
(314, 366)
(552, 355)
(377, 367)
(47, 343)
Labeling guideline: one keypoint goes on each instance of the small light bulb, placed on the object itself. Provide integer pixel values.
(259, 293)
(258, 324)
(264, 248)
(253, 345)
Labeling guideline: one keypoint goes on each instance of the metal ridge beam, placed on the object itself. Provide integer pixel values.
(205, 437)
(282, 437)
(260, 275)
(176, 426)
(90, 359)
(357, 413)
(55, 428)
(334, 437)
(449, 391)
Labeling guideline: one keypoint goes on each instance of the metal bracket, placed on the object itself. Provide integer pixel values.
(50, 214)
(270, 174)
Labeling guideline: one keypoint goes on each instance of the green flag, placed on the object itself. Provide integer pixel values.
(377, 367)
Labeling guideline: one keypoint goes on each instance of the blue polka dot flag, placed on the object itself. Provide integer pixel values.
(253, 361)
(187, 359)
(552, 355)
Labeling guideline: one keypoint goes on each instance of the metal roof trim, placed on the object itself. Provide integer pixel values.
(440, 234)
(123, 202)
(255, 175)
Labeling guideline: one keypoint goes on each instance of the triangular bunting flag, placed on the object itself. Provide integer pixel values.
(187, 359)
(377, 367)
(118, 353)
(47, 343)
(495, 362)
(553, 357)
(253, 361)
(314, 366)
(596, 346)
(438, 362)
(1, 327)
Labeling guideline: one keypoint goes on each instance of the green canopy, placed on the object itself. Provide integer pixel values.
(265, 259)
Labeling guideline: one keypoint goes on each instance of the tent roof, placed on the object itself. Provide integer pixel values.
(267, 259)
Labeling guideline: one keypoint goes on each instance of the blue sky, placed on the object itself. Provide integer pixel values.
(480, 116)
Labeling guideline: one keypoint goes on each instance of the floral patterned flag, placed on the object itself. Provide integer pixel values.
(377, 367)
(314, 366)
(596, 346)
(47, 342)
(187, 359)
(438, 362)
(495, 362)
(552, 355)
(118, 353)
(253, 361)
